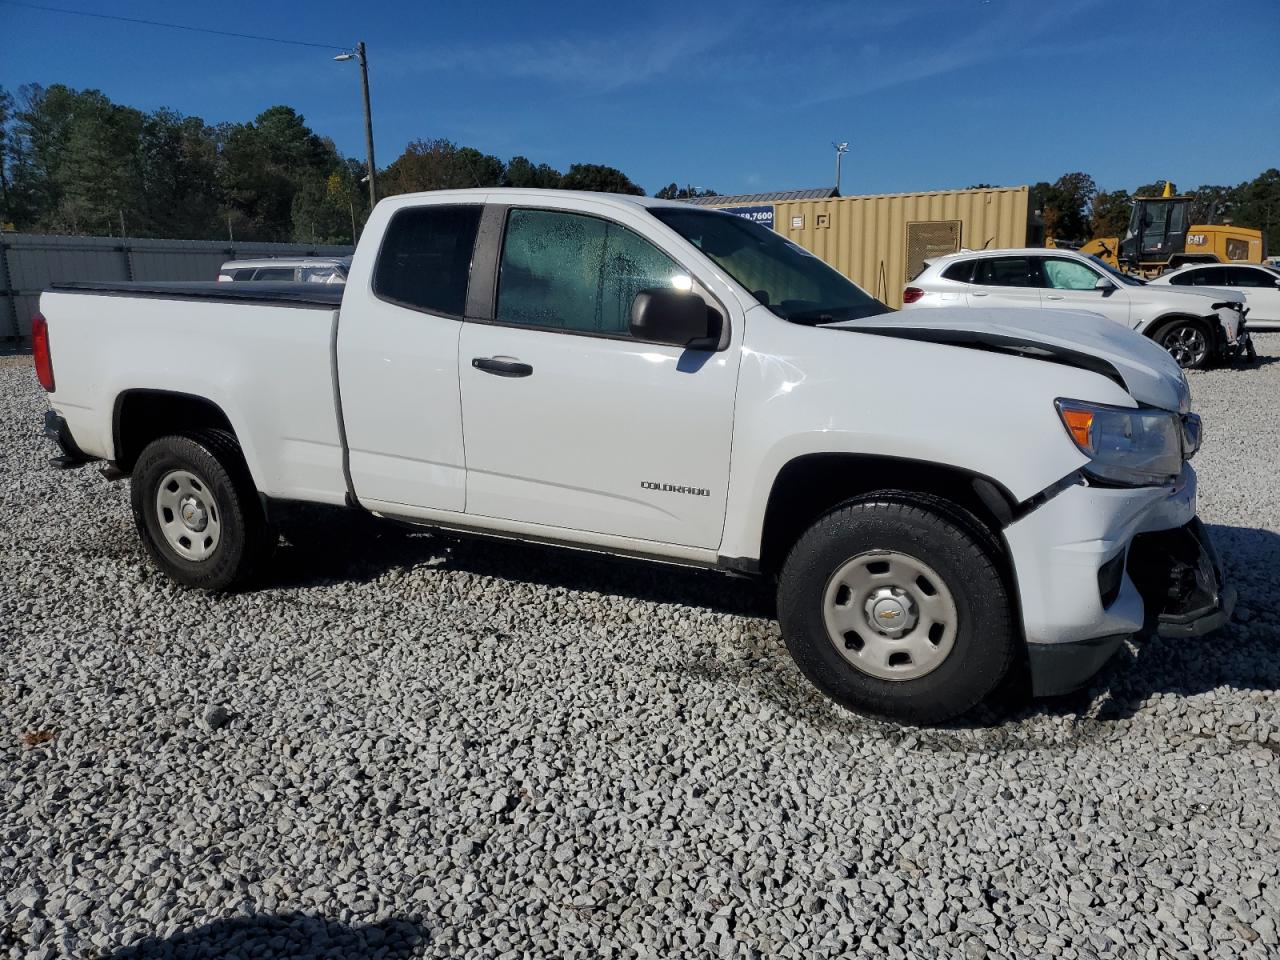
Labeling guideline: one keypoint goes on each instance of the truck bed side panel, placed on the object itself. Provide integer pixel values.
(267, 367)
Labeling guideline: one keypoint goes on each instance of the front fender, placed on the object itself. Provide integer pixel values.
(804, 390)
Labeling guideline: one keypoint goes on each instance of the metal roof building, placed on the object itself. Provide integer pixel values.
(819, 193)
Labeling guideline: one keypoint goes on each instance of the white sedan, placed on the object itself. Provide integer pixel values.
(1259, 284)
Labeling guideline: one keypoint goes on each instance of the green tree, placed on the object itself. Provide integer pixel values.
(1064, 205)
(1258, 207)
(1213, 204)
(674, 192)
(6, 161)
(521, 172)
(440, 165)
(599, 178)
(77, 158)
(263, 166)
(1110, 213)
(178, 165)
(332, 210)
(1155, 189)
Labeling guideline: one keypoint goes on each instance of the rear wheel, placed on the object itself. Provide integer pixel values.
(1188, 342)
(895, 608)
(197, 510)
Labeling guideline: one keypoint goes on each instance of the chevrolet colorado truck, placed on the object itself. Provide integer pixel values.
(941, 496)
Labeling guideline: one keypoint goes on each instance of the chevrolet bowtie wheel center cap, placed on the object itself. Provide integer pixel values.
(891, 612)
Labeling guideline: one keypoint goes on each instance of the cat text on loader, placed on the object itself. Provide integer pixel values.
(1160, 237)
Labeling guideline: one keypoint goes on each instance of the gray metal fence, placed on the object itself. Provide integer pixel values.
(30, 262)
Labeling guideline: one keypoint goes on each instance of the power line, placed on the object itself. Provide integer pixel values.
(171, 26)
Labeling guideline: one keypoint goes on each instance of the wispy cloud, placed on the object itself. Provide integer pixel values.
(1008, 30)
(587, 64)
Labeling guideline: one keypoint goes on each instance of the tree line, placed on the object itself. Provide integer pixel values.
(1073, 208)
(74, 162)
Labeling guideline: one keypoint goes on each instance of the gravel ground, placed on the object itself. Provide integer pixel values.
(405, 746)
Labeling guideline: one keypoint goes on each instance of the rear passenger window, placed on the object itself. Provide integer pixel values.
(961, 272)
(1210, 277)
(1184, 279)
(425, 260)
(574, 272)
(274, 273)
(1006, 272)
(1248, 277)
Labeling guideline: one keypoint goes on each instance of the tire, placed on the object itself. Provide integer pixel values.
(208, 500)
(1189, 342)
(858, 565)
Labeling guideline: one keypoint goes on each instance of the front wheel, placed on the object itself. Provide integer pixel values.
(1187, 342)
(197, 510)
(894, 608)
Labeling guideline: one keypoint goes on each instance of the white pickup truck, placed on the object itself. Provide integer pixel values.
(942, 496)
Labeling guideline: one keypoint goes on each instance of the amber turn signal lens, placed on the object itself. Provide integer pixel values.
(1079, 422)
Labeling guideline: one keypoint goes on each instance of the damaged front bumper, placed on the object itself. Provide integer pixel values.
(1237, 342)
(1096, 566)
(1180, 578)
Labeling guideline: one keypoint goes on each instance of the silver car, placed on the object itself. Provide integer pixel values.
(1196, 326)
(288, 269)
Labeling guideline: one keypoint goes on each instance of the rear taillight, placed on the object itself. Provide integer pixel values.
(912, 294)
(40, 351)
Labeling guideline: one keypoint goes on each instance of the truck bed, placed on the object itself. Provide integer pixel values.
(322, 296)
(261, 353)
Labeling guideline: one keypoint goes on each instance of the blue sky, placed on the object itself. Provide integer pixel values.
(739, 96)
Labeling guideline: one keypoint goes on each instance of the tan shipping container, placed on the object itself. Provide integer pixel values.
(880, 242)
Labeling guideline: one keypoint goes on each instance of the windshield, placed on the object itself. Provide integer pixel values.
(1116, 274)
(786, 278)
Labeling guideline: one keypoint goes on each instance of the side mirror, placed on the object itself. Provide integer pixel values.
(672, 316)
(1104, 285)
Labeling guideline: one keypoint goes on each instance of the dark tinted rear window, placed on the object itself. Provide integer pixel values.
(1249, 277)
(425, 259)
(1006, 272)
(961, 271)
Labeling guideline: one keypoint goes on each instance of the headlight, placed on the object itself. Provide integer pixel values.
(1129, 446)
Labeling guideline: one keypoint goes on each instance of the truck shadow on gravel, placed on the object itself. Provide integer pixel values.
(328, 545)
(324, 545)
(281, 936)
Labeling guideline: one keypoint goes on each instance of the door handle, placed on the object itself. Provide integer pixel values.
(1054, 296)
(502, 366)
(978, 293)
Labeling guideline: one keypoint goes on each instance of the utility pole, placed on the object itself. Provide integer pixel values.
(360, 54)
(841, 149)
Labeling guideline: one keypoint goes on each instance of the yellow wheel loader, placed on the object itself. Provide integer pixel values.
(1161, 238)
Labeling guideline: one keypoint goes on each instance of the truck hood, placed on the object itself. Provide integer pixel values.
(1080, 339)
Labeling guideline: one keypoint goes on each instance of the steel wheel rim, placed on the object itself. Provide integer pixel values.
(187, 515)
(1186, 344)
(890, 616)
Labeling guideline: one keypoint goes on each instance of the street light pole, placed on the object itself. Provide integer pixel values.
(368, 121)
(841, 149)
(360, 54)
